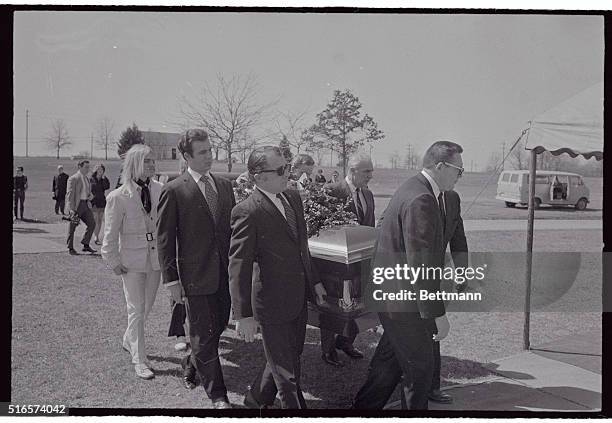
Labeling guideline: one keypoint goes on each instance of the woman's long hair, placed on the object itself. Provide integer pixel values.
(95, 171)
(133, 166)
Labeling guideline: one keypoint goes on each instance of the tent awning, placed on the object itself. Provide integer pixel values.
(574, 126)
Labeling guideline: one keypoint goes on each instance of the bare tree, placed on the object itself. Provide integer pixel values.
(518, 158)
(58, 137)
(105, 130)
(291, 125)
(226, 110)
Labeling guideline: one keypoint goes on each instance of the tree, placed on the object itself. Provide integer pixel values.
(286, 150)
(58, 137)
(494, 162)
(226, 111)
(341, 127)
(128, 138)
(291, 126)
(519, 158)
(105, 134)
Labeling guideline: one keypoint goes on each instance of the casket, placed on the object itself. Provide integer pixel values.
(342, 257)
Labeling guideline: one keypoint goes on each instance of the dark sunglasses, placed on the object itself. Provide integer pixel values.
(280, 171)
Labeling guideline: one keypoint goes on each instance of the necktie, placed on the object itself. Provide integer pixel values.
(289, 215)
(442, 211)
(145, 194)
(211, 196)
(360, 213)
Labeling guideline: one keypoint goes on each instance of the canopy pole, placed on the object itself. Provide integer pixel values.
(529, 255)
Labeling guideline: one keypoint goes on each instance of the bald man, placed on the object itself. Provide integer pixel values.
(355, 188)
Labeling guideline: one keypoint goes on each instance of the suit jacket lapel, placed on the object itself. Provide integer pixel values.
(195, 190)
(272, 210)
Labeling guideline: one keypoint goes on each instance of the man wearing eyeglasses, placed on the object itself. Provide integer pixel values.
(269, 228)
(193, 234)
(412, 233)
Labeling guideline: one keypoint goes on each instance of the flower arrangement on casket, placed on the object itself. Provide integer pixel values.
(321, 210)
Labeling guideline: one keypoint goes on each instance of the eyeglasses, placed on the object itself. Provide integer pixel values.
(280, 171)
(460, 169)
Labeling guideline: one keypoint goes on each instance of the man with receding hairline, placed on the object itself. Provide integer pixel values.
(271, 277)
(412, 233)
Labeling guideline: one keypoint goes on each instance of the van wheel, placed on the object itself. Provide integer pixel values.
(537, 203)
(581, 204)
(510, 204)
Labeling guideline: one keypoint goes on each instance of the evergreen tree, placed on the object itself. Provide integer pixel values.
(129, 137)
(285, 148)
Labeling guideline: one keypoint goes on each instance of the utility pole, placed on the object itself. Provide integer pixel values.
(27, 118)
(471, 166)
(91, 151)
(503, 154)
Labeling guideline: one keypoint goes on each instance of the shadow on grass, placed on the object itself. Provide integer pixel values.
(324, 386)
(27, 220)
(29, 230)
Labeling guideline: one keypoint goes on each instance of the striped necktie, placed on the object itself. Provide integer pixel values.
(211, 196)
(360, 213)
(289, 215)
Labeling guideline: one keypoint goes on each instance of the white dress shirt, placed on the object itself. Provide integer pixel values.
(275, 200)
(434, 186)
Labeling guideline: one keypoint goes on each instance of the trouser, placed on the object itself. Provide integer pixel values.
(331, 341)
(208, 316)
(19, 198)
(98, 215)
(283, 345)
(86, 216)
(435, 382)
(60, 204)
(406, 348)
(140, 289)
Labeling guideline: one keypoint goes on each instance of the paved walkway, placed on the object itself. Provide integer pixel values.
(533, 381)
(31, 237)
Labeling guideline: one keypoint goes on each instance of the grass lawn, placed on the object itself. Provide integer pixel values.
(69, 317)
(477, 190)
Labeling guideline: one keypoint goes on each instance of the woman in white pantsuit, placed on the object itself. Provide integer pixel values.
(129, 246)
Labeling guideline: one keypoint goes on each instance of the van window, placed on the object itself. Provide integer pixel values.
(541, 179)
(505, 177)
(514, 177)
(576, 180)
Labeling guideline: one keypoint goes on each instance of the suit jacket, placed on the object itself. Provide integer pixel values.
(73, 193)
(192, 247)
(286, 274)
(126, 224)
(412, 233)
(342, 190)
(60, 184)
(454, 233)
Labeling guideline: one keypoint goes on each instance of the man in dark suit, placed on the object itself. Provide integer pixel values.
(355, 188)
(193, 233)
(454, 236)
(60, 184)
(412, 234)
(78, 196)
(269, 227)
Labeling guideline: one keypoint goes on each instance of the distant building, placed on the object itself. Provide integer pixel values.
(163, 144)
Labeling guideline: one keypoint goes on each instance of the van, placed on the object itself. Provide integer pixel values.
(551, 187)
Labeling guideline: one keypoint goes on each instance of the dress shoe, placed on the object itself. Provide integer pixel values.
(222, 404)
(73, 252)
(351, 351)
(88, 249)
(97, 242)
(251, 402)
(143, 371)
(189, 374)
(332, 359)
(438, 396)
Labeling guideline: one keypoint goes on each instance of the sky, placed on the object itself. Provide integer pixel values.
(473, 79)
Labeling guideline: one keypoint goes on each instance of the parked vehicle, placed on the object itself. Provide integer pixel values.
(551, 187)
